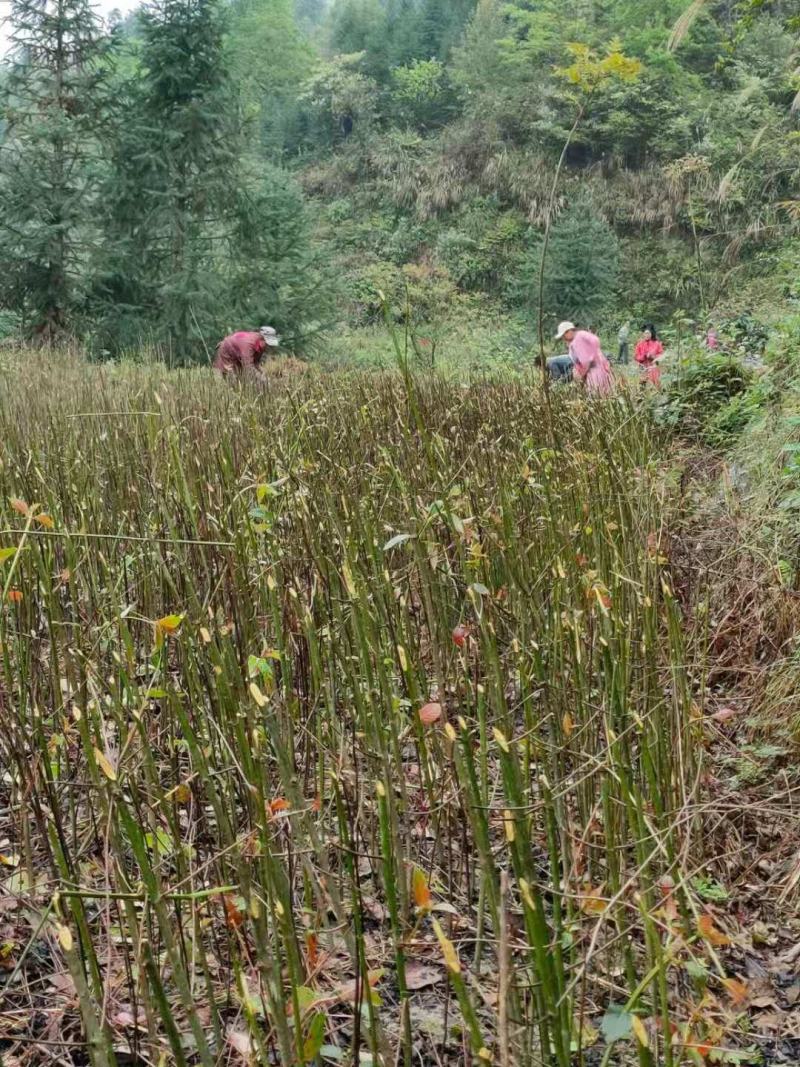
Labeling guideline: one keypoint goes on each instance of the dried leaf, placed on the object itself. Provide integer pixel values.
(737, 991)
(65, 938)
(422, 976)
(181, 794)
(19, 505)
(241, 1042)
(422, 893)
(591, 903)
(234, 916)
(126, 1019)
(312, 950)
(45, 520)
(568, 725)
(724, 715)
(430, 714)
(105, 765)
(707, 930)
(278, 805)
(257, 695)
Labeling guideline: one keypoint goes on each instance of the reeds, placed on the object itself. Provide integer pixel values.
(223, 614)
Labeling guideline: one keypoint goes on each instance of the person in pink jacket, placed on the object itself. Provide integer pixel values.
(240, 354)
(590, 366)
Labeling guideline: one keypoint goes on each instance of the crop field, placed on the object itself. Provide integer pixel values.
(354, 720)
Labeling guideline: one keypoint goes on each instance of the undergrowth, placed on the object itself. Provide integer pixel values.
(354, 720)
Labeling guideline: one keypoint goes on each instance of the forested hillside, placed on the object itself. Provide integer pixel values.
(209, 164)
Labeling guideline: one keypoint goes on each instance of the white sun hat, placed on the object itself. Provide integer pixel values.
(270, 336)
(563, 328)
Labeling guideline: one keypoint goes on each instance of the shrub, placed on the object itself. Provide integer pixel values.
(707, 399)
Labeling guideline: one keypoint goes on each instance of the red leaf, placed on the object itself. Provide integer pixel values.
(312, 950)
(15, 596)
(233, 917)
(430, 714)
(460, 635)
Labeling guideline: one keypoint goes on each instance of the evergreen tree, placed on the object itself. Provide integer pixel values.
(362, 26)
(269, 59)
(309, 13)
(56, 108)
(442, 25)
(577, 285)
(177, 180)
(280, 280)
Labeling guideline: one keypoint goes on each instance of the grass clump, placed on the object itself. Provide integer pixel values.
(351, 720)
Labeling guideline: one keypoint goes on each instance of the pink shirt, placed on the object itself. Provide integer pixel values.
(590, 365)
(648, 351)
(239, 352)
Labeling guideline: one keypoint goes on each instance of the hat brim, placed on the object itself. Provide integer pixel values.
(272, 342)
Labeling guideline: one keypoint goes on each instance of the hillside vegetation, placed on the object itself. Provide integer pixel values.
(211, 165)
(401, 708)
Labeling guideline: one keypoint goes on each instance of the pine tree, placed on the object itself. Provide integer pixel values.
(176, 183)
(442, 25)
(270, 59)
(56, 108)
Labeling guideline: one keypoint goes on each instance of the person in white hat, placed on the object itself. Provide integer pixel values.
(589, 365)
(241, 353)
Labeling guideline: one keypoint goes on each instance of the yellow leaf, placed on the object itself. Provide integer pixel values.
(257, 695)
(181, 794)
(65, 938)
(45, 520)
(105, 765)
(508, 823)
(422, 893)
(448, 949)
(640, 1031)
(401, 655)
(568, 725)
(170, 624)
(205, 636)
(500, 739)
(349, 584)
(591, 903)
(8, 553)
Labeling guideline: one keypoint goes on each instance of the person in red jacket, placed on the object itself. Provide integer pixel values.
(648, 351)
(240, 354)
